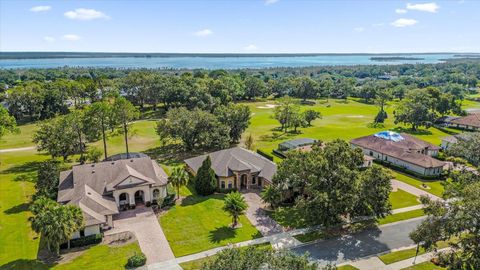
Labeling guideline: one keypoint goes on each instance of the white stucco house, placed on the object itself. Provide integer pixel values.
(402, 150)
(103, 189)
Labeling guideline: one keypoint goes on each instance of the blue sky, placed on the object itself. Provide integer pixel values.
(261, 26)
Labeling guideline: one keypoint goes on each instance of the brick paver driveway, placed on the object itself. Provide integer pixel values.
(257, 215)
(144, 224)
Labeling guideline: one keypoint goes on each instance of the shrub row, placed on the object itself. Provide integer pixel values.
(84, 241)
(279, 153)
(265, 154)
(405, 171)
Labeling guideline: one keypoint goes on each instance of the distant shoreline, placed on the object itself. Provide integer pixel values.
(56, 55)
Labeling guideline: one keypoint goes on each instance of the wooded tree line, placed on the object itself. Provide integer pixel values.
(42, 93)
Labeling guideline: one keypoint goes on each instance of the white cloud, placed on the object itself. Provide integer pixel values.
(404, 22)
(203, 33)
(85, 14)
(400, 11)
(358, 29)
(71, 37)
(49, 39)
(251, 47)
(40, 8)
(427, 7)
(270, 2)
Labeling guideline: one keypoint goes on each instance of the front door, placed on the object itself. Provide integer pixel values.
(243, 181)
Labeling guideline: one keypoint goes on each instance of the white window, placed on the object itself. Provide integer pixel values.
(222, 184)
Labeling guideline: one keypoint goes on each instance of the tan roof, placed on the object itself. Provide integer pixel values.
(225, 162)
(472, 120)
(405, 149)
(88, 185)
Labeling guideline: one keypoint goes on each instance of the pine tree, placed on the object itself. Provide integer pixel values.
(205, 180)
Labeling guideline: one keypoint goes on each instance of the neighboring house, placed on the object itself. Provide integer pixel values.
(469, 122)
(451, 140)
(237, 168)
(296, 144)
(103, 189)
(402, 150)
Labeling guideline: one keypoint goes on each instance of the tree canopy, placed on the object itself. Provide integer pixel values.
(330, 186)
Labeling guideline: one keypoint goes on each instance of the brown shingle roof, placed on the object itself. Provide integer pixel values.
(235, 159)
(405, 150)
(86, 185)
(472, 120)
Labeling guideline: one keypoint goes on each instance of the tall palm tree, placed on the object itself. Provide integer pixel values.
(235, 205)
(55, 222)
(178, 179)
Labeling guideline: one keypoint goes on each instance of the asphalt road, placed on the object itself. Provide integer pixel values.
(360, 245)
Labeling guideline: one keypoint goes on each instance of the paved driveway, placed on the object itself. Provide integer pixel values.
(257, 215)
(363, 244)
(143, 222)
(412, 190)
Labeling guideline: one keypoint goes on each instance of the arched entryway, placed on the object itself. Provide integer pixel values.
(123, 199)
(139, 197)
(243, 181)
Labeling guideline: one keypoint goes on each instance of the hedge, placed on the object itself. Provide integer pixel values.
(84, 241)
(403, 170)
(265, 154)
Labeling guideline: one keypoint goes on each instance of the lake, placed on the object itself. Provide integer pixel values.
(224, 62)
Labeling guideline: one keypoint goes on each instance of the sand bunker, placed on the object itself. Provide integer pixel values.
(267, 106)
(355, 116)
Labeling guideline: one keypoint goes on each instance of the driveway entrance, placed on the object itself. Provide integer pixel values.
(144, 224)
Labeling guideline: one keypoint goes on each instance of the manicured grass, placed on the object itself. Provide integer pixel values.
(401, 199)
(19, 244)
(22, 139)
(344, 120)
(346, 267)
(199, 223)
(197, 264)
(401, 216)
(433, 186)
(401, 255)
(102, 257)
(311, 236)
(287, 217)
(424, 266)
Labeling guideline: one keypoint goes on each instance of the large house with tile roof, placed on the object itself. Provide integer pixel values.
(103, 189)
(237, 168)
(402, 150)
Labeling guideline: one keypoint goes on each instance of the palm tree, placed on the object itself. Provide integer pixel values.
(178, 179)
(55, 222)
(271, 196)
(235, 205)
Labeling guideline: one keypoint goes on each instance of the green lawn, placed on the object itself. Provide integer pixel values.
(433, 186)
(287, 217)
(339, 120)
(424, 266)
(199, 223)
(401, 216)
(346, 267)
(197, 264)
(22, 139)
(401, 199)
(401, 255)
(96, 258)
